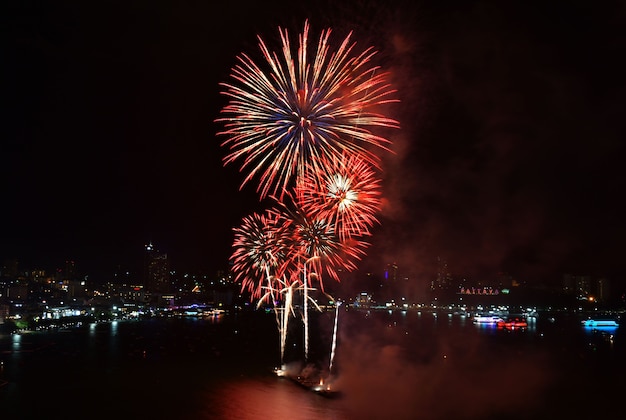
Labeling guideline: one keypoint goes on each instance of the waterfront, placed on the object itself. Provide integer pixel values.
(389, 364)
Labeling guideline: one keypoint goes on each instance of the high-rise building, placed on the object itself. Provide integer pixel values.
(602, 289)
(444, 277)
(579, 285)
(391, 272)
(156, 270)
(69, 273)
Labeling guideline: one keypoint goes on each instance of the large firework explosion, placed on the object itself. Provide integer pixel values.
(273, 247)
(297, 112)
(301, 126)
(316, 245)
(346, 192)
(261, 250)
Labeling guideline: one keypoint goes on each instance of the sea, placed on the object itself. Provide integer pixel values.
(380, 364)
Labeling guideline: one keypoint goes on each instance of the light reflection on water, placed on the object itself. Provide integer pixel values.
(402, 364)
(17, 339)
(268, 398)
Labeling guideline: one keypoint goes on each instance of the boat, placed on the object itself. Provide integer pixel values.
(319, 387)
(594, 323)
(310, 384)
(325, 390)
(487, 319)
(513, 323)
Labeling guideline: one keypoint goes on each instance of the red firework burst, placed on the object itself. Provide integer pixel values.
(295, 112)
(317, 249)
(261, 251)
(346, 192)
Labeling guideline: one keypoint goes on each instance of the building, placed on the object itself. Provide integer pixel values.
(443, 280)
(156, 271)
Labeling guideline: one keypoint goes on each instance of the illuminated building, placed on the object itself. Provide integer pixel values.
(444, 278)
(156, 271)
(363, 300)
(391, 272)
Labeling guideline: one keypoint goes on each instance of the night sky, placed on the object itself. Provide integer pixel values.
(509, 158)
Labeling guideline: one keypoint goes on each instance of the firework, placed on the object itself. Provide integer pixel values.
(334, 343)
(303, 110)
(317, 250)
(314, 239)
(282, 312)
(302, 126)
(346, 193)
(284, 321)
(261, 250)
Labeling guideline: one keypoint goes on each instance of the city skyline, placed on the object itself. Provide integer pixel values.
(508, 157)
(388, 274)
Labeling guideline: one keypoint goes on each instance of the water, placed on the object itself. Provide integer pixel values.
(387, 365)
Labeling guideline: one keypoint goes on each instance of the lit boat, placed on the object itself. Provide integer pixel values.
(215, 312)
(593, 323)
(513, 323)
(318, 386)
(325, 390)
(487, 319)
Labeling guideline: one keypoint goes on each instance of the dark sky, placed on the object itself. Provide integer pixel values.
(509, 158)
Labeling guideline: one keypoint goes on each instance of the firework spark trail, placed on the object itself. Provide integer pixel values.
(307, 298)
(285, 320)
(334, 344)
(282, 313)
(297, 114)
(287, 309)
(305, 280)
(318, 250)
(269, 295)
